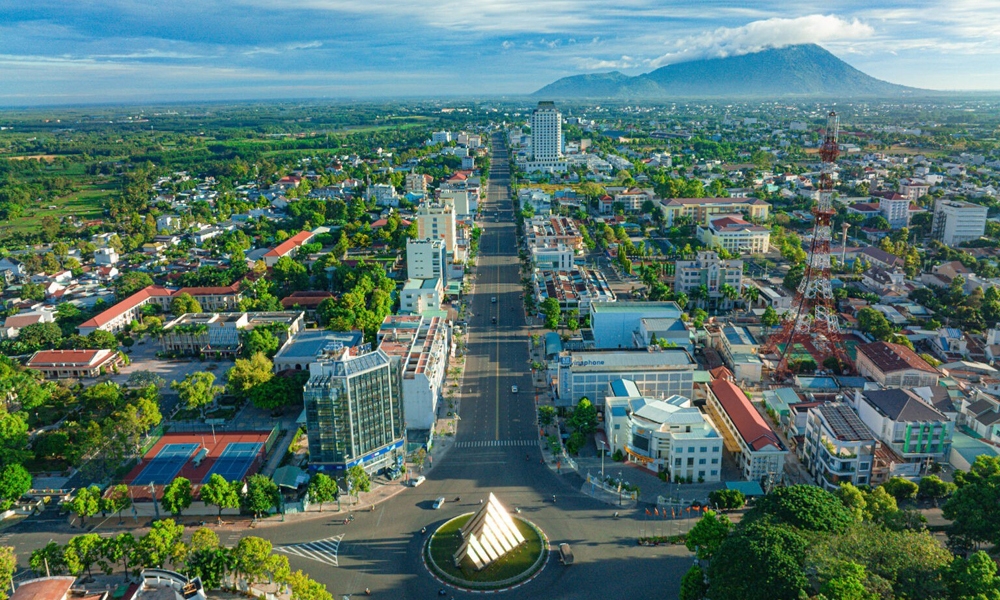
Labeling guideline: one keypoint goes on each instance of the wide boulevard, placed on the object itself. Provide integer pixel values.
(495, 450)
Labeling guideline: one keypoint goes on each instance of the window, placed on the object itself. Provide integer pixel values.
(701, 461)
(863, 466)
(680, 449)
(690, 448)
(715, 461)
(690, 462)
(677, 462)
(701, 474)
(704, 449)
(715, 473)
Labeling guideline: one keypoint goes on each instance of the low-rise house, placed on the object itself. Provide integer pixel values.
(306, 300)
(579, 288)
(735, 235)
(893, 365)
(289, 247)
(13, 324)
(419, 295)
(75, 364)
(738, 347)
(218, 334)
(121, 315)
(914, 429)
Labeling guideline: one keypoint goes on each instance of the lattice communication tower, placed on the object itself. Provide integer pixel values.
(812, 322)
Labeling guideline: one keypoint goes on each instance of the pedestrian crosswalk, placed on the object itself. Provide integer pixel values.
(324, 551)
(495, 443)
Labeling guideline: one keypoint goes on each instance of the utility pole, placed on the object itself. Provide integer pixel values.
(156, 506)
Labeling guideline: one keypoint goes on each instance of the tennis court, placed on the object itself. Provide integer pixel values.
(165, 465)
(235, 460)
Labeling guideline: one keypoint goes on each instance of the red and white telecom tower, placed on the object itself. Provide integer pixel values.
(813, 321)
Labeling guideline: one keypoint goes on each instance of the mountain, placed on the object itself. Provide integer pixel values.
(803, 70)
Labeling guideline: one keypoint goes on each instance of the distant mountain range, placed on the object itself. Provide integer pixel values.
(803, 70)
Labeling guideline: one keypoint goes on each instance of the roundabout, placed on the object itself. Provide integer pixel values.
(510, 570)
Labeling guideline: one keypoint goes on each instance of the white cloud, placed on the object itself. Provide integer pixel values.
(759, 35)
(507, 45)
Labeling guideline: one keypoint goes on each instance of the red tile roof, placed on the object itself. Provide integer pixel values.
(892, 357)
(210, 291)
(288, 245)
(128, 303)
(88, 358)
(44, 588)
(307, 299)
(751, 425)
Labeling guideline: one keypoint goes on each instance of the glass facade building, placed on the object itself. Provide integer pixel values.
(354, 413)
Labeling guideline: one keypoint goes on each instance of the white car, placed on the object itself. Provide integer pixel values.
(513, 389)
(439, 503)
(493, 299)
(417, 481)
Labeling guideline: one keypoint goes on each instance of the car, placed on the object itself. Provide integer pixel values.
(493, 299)
(513, 389)
(494, 320)
(417, 481)
(439, 503)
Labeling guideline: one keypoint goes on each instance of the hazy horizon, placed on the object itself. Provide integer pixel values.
(134, 51)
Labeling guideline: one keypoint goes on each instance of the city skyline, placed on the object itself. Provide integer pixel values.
(108, 51)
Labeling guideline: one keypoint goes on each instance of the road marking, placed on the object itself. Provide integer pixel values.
(495, 443)
(324, 551)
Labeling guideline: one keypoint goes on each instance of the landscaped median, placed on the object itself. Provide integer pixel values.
(515, 567)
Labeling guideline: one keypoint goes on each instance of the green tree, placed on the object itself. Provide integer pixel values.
(772, 554)
(116, 500)
(250, 558)
(726, 499)
(204, 538)
(708, 534)
(221, 493)
(184, 303)
(211, 565)
(934, 488)
(550, 308)
(81, 552)
(847, 582)
(874, 324)
(86, 503)
(131, 282)
(358, 480)
(261, 495)
(901, 489)
(804, 507)
(974, 577)
(177, 496)
(15, 481)
(693, 586)
(197, 390)
(546, 415)
(304, 588)
(584, 417)
(246, 374)
(160, 543)
(972, 507)
(770, 318)
(289, 275)
(40, 335)
(260, 341)
(48, 559)
(120, 549)
(322, 489)
(8, 564)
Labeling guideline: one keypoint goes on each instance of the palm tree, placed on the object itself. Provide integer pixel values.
(682, 300)
(751, 294)
(729, 292)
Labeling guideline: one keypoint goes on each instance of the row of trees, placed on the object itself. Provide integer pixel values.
(203, 555)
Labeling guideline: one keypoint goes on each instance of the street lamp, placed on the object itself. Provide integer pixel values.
(619, 488)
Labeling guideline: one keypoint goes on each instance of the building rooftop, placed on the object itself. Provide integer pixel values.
(902, 405)
(651, 308)
(68, 358)
(844, 423)
(889, 357)
(639, 358)
(752, 427)
(44, 588)
(309, 344)
(738, 336)
(291, 243)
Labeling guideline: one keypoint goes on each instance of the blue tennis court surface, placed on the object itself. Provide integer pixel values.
(165, 466)
(235, 460)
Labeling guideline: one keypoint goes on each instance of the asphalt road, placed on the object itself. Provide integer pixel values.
(381, 550)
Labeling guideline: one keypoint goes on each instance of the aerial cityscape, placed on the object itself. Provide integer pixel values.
(293, 310)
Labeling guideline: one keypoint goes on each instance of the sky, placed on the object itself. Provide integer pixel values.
(147, 51)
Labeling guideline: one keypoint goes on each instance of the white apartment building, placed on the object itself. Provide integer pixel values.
(546, 139)
(656, 373)
(956, 221)
(896, 210)
(913, 189)
(663, 435)
(441, 137)
(437, 221)
(418, 347)
(914, 429)
(557, 257)
(426, 259)
(459, 200)
(839, 447)
(105, 256)
(419, 295)
(735, 235)
(416, 183)
(708, 270)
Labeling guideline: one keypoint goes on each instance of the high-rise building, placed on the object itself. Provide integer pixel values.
(956, 221)
(546, 132)
(546, 139)
(437, 222)
(426, 259)
(896, 209)
(354, 413)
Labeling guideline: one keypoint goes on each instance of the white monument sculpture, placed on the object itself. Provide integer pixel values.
(488, 535)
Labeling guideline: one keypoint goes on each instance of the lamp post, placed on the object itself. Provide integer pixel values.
(604, 450)
(619, 488)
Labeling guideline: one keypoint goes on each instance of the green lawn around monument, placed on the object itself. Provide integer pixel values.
(515, 565)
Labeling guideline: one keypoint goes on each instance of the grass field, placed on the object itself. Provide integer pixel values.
(447, 540)
(85, 204)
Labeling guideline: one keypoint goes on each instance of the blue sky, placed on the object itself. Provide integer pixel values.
(83, 51)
